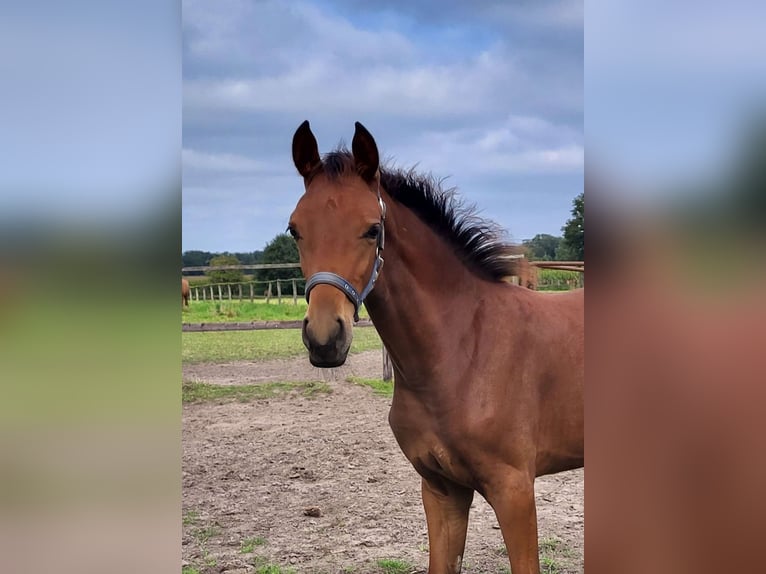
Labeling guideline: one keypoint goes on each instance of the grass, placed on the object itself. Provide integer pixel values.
(223, 346)
(243, 311)
(394, 566)
(273, 569)
(201, 535)
(380, 387)
(204, 534)
(547, 545)
(548, 565)
(193, 392)
(262, 566)
(224, 311)
(190, 517)
(551, 549)
(248, 544)
(557, 279)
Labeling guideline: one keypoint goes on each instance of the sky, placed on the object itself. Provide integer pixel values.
(488, 94)
(90, 119)
(670, 87)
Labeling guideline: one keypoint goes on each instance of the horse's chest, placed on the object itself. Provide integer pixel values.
(432, 451)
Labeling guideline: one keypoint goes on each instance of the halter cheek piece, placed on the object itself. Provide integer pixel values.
(328, 278)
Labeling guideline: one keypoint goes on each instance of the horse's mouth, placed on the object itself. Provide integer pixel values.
(325, 363)
(329, 355)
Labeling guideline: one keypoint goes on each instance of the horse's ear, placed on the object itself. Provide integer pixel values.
(365, 152)
(305, 150)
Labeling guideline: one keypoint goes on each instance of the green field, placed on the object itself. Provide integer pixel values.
(193, 392)
(243, 311)
(223, 346)
(558, 279)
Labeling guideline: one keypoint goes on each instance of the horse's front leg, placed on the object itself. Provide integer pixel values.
(513, 499)
(447, 505)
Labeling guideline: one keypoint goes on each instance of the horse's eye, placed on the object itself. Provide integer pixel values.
(373, 232)
(291, 230)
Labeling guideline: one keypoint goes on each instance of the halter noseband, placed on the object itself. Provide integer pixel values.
(329, 278)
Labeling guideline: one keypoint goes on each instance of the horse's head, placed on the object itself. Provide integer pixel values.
(338, 226)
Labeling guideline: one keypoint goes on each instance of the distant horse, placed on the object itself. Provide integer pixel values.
(526, 273)
(184, 292)
(488, 375)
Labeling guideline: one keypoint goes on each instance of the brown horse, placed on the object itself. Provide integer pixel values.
(184, 292)
(525, 273)
(488, 375)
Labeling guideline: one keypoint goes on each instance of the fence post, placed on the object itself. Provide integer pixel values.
(268, 293)
(228, 289)
(388, 370)
(279, 291)
(295, 294)
(220, 293)
(251, 292)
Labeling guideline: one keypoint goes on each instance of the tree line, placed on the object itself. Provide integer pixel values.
(570, 246)
(282, 249)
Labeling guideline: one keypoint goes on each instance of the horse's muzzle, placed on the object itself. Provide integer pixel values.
(332, 350)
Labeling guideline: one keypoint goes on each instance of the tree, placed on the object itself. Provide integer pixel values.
(249, 258)
(281, 249)
(565, 253)
(195, 258)
(744, 197)
(542, 247)
(574, 229)
(224, 275)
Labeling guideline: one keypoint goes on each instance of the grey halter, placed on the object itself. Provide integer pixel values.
(329, 278)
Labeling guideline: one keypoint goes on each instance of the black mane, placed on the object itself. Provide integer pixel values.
(480, 243)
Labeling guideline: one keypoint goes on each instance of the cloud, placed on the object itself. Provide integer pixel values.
(715, 40)
(492, 14)
(272, 58)
(484, 90)
(521, 144)
(485, 85)
(235, 36)
(193, 160)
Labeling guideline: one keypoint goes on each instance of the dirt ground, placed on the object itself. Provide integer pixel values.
(320, 486)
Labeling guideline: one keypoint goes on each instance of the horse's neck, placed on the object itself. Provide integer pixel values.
(422, 301)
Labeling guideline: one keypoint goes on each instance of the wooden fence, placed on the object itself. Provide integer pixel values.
(230, 291)
(388, 372)
(254, 325)
(280, 289)
(578, 266)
